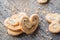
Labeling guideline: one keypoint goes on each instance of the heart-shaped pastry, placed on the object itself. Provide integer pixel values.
(12, 22)
(11, 27)
(20, 23)
(51, 17)
(29, 24)
(54, 27)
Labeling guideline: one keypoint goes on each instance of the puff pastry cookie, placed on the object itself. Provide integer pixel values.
(14, 33)
(54, 19)
(21, 23)
(51, 17)
(54, 27)
(29, 25)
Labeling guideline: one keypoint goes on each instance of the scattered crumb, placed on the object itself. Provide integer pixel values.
(51, 38)
(44, 11)
(26, 9)
(43, 24)
(38, 10)
(47, 31)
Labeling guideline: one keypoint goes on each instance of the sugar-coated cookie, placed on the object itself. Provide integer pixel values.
(29, 25)
(12, 22)
(11, 27)
(54, 27)
(13, 33)
(14, 19)
(51, 17)
(19, 23)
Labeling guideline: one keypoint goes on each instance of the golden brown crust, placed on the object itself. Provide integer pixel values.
(54, 27)
(51, 17)
(34, 19)
(13, 33)
(21, 22)
(12, 22)
(16, 18)
(28, 27)
(11, 27)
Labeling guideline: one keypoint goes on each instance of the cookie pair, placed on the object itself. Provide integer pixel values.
(54, 19)
(21, 23)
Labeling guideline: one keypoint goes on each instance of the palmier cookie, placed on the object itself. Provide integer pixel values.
(12, 22)
(27, 25)
(54, 27)
(51, 17)
(11, 27)
(34, 19)
(14, 19)
(14, 33)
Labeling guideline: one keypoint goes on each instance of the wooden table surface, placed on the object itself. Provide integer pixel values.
(11, 7)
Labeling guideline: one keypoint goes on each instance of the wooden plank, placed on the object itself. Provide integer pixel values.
(10, 7)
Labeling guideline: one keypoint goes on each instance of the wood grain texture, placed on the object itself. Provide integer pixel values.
(10, 7)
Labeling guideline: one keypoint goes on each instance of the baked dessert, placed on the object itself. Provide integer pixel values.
(19, 23)
(51, 17)
(54, 27)
(14, 33)
(29, 25)
(12, 22)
